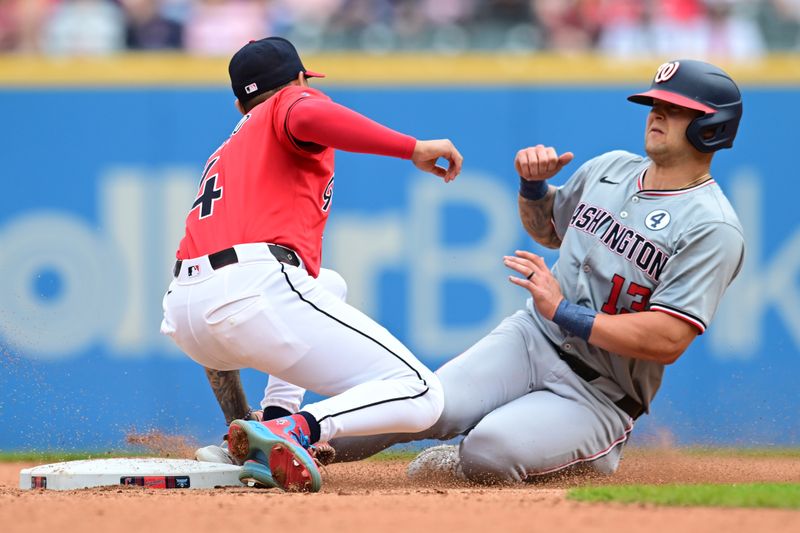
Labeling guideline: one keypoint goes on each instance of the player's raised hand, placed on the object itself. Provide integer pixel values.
(538, 279)
(540, 162)
(426, 153)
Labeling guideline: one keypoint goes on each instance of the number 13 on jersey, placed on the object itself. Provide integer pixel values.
(641, 297)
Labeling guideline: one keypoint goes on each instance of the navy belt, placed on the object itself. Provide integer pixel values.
(228, 256)
(633, 408)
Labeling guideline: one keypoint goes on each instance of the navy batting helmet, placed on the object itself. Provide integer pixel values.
(703, 87)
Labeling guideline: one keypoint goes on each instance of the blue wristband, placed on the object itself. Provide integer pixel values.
(533, 190)
(576, 319)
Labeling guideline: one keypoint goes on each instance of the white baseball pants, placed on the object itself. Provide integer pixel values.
(288, 396)
(274, 317)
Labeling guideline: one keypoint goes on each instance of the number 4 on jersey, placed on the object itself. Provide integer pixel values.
(208, 193)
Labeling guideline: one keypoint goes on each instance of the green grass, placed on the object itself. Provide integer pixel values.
(773, 495)
(394, 455)
(718, 451)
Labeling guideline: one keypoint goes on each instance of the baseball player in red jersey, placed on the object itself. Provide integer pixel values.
(248, 290)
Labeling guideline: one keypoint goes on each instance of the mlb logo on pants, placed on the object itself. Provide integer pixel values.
(194, 270)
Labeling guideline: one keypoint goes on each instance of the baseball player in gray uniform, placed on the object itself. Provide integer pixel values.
(648, 246)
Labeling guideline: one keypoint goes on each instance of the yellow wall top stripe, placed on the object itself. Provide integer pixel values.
(364, 69)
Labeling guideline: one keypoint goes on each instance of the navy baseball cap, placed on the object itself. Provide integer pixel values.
(260, 66)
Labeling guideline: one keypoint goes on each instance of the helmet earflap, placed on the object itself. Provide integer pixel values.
(712, 132)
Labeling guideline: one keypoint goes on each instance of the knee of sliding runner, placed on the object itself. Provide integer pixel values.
(488, 459)
(608, 463)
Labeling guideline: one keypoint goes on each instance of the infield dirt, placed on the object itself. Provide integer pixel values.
(375, 496)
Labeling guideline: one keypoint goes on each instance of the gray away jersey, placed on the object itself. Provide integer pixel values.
(625, 249)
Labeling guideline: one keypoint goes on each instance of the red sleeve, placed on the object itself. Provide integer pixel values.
(325, 123)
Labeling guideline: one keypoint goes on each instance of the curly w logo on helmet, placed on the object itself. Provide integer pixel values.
(666, 71)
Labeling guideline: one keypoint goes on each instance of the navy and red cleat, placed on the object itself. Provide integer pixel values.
(275, 453)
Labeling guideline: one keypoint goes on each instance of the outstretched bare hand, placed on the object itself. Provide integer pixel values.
(538, 280)
(426, 153)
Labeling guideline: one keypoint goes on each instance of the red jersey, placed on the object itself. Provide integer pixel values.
(260, 186)
(272, 180)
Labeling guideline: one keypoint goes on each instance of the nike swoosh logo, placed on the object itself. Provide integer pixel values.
(605, 179)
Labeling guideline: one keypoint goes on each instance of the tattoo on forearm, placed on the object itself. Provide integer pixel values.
(536, 216)
(227, 387)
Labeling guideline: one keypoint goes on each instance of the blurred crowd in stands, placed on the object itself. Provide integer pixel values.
(734, 29)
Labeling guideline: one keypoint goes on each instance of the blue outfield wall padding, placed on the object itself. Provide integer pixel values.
(97, 183)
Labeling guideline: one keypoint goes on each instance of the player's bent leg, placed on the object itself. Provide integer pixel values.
(540, 434)
(357, 448)
(609, 463)
(489, 374)
(399, 403)
(278, 319)
(494, 371)
(460, 413)
(252, 315)
(375, 383)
